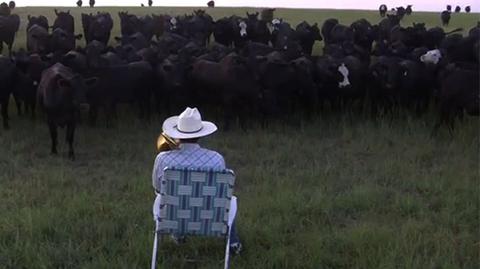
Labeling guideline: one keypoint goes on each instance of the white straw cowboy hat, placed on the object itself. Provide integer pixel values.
(188, 125)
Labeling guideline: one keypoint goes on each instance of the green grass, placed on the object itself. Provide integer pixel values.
(330, 193)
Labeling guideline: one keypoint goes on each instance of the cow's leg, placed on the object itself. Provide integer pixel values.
(53, 135)
(33, 106)
(92, 114)
(5, 114)
(69, 137)
(10, 45)
(18, 103)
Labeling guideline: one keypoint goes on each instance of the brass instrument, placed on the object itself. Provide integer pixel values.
(166, 143)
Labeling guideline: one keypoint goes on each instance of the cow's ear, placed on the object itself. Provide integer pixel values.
(63, 83)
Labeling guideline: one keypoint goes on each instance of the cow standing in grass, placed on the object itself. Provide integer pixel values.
(445, 17)
(60, 93)
(408, 10)
(382, 10)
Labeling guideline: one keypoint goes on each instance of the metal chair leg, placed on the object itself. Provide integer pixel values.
(155, 247)
(227, 250)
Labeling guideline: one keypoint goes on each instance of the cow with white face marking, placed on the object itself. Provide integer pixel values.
(431, 57)
(240, 32)
(382, 10)
(341, 81)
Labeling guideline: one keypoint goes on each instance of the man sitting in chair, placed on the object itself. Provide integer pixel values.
(187, 129)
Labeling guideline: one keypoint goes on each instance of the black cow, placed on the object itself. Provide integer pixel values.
(172, 92)
(385, 27)
(341, 33)
(458, 9)
(7, 83)
(29, 74)
(449, 8)
(307, 35)
(4, 9)
(150, 3)
(211, 4)
(401, 12)
(91, 3)
(382, 10)
(363, 34)
(38, 40)
(228, 84)
(257, 30)
(129, 83)
(408, 10)
(12, 5)
(467, 9)
(60, 93)
(131, 24)
(384, 83)
(460, 49)
(267, 15)
(63, 41)
(223, 31)
(327, 30)
(64, 21)
(97, 27)
(40, 21)
(458, 94)
(8, 28)
(199, 27)
(79, 3)
(445, 17)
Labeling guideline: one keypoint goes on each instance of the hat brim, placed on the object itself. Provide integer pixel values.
(170, 128)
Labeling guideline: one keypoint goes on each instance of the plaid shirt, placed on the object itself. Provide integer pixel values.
(189, 155)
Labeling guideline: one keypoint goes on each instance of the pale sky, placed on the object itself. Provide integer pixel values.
(420, 5)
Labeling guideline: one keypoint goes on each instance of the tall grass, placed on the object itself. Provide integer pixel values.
(348, 193)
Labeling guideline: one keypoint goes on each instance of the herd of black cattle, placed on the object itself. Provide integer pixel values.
(256, 67)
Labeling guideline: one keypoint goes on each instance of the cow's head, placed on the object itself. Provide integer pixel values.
(431, 57)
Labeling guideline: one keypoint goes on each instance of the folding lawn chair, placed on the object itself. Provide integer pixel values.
(195, 202)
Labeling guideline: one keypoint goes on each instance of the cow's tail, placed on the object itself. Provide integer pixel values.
(454, 31)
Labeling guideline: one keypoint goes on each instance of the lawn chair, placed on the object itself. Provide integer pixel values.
(195, 202)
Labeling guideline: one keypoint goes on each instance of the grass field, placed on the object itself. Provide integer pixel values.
(332, 193)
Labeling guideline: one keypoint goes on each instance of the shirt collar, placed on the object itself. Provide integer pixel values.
(187, 146)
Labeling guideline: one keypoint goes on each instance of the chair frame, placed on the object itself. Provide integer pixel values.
(166, 203)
